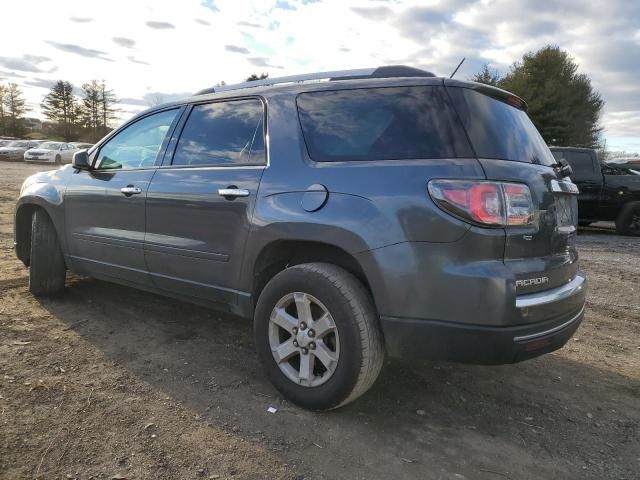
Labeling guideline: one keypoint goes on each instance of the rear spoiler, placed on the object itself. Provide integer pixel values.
(494, 92)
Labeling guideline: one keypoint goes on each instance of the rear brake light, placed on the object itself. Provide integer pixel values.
(485, 203)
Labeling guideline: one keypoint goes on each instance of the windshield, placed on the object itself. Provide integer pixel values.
(498, 130)
(50, 145)
(19, 144)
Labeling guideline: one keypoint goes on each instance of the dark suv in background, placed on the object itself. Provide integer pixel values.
(380, 211)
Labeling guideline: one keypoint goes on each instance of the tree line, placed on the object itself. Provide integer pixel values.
(86, 117)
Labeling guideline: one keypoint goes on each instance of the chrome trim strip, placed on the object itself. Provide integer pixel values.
(553, 295)
(564, 186)
(551, 330)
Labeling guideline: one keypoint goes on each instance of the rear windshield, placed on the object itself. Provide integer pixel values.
(498, 130)
(394, 123)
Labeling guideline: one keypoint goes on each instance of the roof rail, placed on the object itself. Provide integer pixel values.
(389, 71)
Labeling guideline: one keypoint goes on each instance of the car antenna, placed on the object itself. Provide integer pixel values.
(459, 65)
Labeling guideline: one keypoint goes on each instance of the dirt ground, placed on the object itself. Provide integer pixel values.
(107, 382)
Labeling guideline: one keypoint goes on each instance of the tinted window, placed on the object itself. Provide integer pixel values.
(498, 130)
(138, 144)
(380, 124)
(581, 164)
(223, 133)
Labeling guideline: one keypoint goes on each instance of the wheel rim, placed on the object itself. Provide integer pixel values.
(304, 339)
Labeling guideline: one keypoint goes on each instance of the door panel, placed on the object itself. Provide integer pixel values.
(105, 227)
(195, 236)
(105, 206)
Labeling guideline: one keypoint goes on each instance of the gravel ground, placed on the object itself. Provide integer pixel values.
(108, 382)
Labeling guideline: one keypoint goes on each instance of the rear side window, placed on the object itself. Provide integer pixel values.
(498, 130)
(581, 164)
(393, 123)
(223, 133)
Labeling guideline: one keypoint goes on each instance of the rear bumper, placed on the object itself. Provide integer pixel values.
(563, 308)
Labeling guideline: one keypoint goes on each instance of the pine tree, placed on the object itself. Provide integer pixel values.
(15, 108)
(90, 110)
(107, 109)
(562, 103)
(2, 114)
(487, 76)
(60, 107)
(255, 77)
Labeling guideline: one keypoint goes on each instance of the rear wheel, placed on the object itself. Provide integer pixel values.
(317, 334)
(628, 222)
(46, 265)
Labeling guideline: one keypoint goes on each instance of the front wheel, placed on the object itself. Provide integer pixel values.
(47, 269)
(317, 335)
(628, 222)
(58, 160)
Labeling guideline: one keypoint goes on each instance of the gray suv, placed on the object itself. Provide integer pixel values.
(349, 214)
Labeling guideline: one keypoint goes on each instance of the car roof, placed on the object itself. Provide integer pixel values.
(387, 76)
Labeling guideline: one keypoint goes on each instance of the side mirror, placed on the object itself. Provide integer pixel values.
(81, 160)
(565, 169)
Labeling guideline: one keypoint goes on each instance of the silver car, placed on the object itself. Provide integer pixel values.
(51, 152)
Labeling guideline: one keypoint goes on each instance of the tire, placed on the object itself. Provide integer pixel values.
(357, 336)
(628, 222)
(46, 265)
(58, 160)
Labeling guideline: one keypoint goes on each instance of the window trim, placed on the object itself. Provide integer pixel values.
(165, 142)
(167, 161)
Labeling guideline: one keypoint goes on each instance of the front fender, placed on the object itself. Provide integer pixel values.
(47, 196)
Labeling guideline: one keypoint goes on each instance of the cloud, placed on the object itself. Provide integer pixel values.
(249, 24)
(262, 62)
(284, 5)
(373, 13)
(202, 22)
(124, 42)
(20, 64)
(81, 19)
(41, 82)
(11, 74)
(135, 60)
(210, 4)
(160, 25)
(36, 58)
(236, 49)
(78, 50)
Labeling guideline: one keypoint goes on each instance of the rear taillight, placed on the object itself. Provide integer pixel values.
(485, 203)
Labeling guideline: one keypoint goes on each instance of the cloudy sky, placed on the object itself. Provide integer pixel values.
(151, 50)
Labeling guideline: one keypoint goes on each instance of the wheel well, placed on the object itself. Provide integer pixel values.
(23, 231)
(279, 255)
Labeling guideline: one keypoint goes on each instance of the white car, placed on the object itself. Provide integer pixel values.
(51, 152)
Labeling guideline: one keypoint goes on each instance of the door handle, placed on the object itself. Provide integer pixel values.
(233, 192)
(130, 190)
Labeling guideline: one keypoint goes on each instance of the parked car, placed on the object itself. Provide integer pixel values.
(15, 149)
(82, 145)
(4, 142)
(383, 211)
(609, 191)
(51, 152)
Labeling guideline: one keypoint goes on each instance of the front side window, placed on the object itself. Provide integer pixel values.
(223, 133)
(393, 123)
(138, 145)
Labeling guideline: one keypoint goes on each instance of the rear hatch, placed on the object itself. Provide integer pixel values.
(542, 254)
